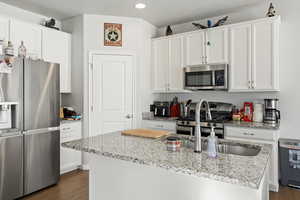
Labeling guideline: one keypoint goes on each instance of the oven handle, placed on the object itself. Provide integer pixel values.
(184, 129)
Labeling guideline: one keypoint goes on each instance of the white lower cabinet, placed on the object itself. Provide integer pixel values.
(159, 125)
(259, 136)
(70, 159)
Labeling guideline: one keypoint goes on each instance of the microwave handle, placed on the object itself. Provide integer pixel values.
(213, 78)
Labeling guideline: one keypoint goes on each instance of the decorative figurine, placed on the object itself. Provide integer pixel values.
(169, 31)
(221, 21)
(200, 26)
(209, 23)
(271, 11)
(51, 24)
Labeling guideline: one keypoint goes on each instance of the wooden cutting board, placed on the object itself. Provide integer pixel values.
(147, 133)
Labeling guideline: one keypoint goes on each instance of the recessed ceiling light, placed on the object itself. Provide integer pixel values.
(140, 4)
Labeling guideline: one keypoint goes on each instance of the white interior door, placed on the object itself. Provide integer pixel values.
(111, 93)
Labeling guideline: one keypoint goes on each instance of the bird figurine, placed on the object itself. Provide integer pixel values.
(271, 11)
(221, 22)
(200, 26)
(169, 31)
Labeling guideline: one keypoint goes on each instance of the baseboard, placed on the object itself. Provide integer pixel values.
(85, 167)
(274, 188)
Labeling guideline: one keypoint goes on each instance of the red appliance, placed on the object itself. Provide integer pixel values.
(248, 112)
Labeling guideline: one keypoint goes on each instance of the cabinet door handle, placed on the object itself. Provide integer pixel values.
(253, 84)
(159, 126)
(249, 85)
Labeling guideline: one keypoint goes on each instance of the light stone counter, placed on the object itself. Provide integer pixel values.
(246, 171)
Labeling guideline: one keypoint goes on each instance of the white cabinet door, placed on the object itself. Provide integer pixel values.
(160, 64)
(264, 74)
(195, 48)
(259, 136)
(4, 29)
(31, 34)
(175, 75)
(69, 158)
(240, 58)
(57, 48)
(217, 45)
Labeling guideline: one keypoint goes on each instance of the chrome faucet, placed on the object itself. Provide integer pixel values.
(198, 147)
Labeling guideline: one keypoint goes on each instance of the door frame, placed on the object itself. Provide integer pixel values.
(90, 66)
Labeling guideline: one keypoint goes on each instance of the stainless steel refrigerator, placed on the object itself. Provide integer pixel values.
(35, 86)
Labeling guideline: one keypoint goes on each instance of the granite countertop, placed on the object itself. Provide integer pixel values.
(252, 125)
(241, 170)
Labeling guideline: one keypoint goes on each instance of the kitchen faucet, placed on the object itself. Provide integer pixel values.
(198, 147)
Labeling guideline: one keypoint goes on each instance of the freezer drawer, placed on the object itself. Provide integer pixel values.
(11, 167)
(42, 159)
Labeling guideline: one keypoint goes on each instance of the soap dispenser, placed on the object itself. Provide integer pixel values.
(212, 144)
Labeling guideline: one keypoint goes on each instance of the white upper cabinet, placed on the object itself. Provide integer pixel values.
(30, 34)
(254, 56)
(264, 59)
(167, 58)
(4, 29)
(56, 47)
(240, 57)
(175, 63)
(216, 45)
(195, 48)
(160, 59)
(207, 47)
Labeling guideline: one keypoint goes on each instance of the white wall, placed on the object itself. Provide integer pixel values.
(136, 38)
(21, 14)
(75, 99)
(289, 64)
(88, 33)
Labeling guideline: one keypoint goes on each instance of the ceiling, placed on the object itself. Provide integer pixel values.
(158, 12)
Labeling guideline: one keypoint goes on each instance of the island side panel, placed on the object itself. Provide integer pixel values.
(113, 179)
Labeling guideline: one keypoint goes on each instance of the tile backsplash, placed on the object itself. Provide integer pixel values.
(222, 96)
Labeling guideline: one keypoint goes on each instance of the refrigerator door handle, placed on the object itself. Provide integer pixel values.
(42, 130)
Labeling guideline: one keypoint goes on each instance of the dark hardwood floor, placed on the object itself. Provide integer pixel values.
(75, 185)
(72, 186)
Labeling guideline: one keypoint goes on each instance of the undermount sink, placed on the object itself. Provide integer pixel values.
(223, 147)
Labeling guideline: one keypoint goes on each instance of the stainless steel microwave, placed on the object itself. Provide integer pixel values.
(206, 77)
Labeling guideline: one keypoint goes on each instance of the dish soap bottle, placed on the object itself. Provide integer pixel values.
(212, 144)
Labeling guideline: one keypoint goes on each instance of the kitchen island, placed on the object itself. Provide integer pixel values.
(134, 168)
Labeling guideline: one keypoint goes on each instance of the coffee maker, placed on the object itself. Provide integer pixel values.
(271, 113)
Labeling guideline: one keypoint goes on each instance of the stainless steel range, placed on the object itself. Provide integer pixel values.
(221, 112)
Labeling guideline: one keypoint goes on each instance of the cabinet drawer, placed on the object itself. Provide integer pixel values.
(70, 130)
(160, 125)
(251, 133)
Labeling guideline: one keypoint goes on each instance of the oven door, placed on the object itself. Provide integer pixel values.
(185, 130)
(205, 132)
